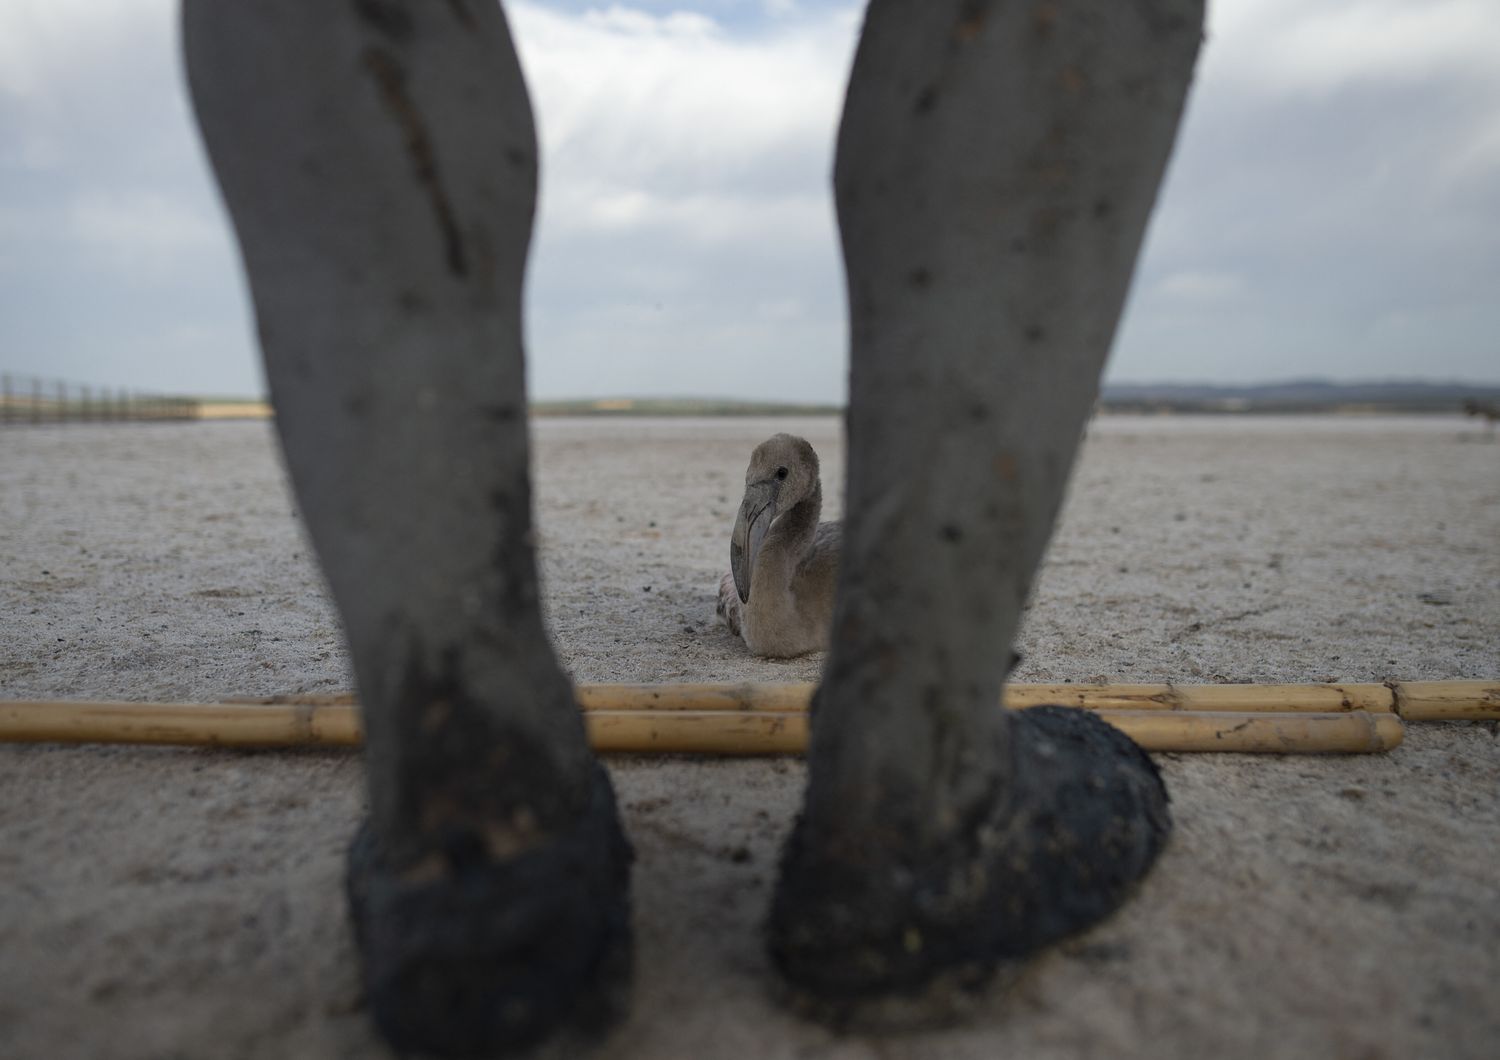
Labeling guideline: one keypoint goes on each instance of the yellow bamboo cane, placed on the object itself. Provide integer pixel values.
(213, 724)
(771, 718)
(755, 732)
(645, 731)
(1412, 700)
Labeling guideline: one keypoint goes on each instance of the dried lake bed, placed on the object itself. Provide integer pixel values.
(159, 903)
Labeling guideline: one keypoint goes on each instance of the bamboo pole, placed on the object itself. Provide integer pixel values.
(1447, 700)
(789, 697)
(665, 731)
(755, 732)
(1411, 700)
(1315, 699)
(796, 697)
(716, 732)
(183, 724)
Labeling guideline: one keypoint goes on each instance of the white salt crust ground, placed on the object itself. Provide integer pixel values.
(160, 903)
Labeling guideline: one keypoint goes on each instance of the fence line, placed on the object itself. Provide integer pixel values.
(26, 399)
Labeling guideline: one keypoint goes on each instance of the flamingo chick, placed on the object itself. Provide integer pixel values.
(778, 595)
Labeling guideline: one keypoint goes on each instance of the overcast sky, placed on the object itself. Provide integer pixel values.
(1333, 207)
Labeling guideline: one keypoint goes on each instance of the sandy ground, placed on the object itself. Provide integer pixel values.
(160, 903)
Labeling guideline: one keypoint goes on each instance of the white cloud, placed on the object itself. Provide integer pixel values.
(673, 103)
(1285, 47)
(1201, 286)
(781, 309)
(685, 239)
(43, 42)
(1332, 205)
(140, 229)
(597, 207)
(1474, 163)
(82, 80)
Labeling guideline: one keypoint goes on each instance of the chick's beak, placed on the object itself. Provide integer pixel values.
(757, 512)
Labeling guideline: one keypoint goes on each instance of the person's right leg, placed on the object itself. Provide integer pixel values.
(379, 162)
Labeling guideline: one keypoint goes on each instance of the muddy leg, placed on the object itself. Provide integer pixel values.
(379, 162)
(996, 166)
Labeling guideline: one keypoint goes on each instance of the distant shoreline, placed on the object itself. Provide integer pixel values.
(260, 410)
(1294, 397)
(221, 411)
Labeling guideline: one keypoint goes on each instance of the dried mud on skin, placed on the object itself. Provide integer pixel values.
(161, 902)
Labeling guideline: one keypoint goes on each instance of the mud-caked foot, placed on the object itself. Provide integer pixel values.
(887, 929)
(470, 957)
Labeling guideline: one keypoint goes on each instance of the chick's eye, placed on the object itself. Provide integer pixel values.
(781, 472)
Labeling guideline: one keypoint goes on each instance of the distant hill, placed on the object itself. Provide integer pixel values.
(1298, 395)
(677, 407)
(1293, 396)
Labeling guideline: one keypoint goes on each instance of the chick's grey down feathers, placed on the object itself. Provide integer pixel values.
(778, 595)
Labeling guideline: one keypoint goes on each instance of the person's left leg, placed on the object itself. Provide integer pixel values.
(997, 164)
